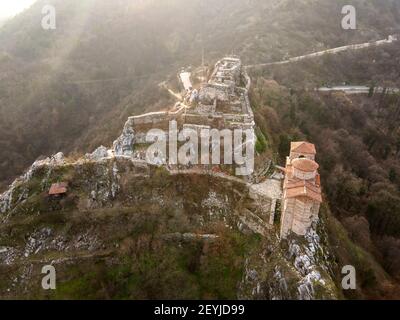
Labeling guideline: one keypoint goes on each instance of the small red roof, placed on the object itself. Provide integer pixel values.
(305, 165)
(58, 188)
(303, 147)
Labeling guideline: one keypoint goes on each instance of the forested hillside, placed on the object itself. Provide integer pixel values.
(358, 142)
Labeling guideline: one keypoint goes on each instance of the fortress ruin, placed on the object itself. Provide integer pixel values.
(221, 103)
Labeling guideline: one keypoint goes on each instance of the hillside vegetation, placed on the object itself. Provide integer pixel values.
(358, 143)
(128, 231)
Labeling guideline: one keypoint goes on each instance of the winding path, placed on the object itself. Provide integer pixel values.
(357, 89)
(389, 40)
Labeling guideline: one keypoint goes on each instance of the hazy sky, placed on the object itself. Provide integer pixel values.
(9, 8)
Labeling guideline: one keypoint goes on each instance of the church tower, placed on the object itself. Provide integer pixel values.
(301, 190)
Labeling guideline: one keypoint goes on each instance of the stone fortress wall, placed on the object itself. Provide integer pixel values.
(221, 103)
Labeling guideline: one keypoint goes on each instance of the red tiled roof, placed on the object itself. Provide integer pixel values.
(300, 183)
(58, 188)
(303, 147)
(306, 165)
(290, 184)
(295, 187)
(304, 191)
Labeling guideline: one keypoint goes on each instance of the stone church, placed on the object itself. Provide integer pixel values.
(301, 190)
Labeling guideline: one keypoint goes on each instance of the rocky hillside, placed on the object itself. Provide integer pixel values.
(127, 230)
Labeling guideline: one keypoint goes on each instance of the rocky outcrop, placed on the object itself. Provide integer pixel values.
(14, 194)
(123, 146)
(6, 199)
(296, 269)
(104, 187)
(99, 154)
(310, 259)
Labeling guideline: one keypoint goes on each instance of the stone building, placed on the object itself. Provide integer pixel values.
(221, 103)
(301, 190)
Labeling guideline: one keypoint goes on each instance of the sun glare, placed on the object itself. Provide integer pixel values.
(9, 8)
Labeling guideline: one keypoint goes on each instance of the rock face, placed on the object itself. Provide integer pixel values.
(123, 146)
(311, 262)
(99, 154)
(6, 200)
(296, 269)
(11, 195)
(104, 186)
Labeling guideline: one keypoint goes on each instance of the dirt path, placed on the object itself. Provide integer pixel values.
(390, 40)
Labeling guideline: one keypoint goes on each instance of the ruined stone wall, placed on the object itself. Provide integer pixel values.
(133, 139)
